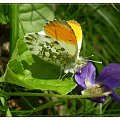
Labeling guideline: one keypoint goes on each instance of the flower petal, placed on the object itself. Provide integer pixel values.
(79, 89)
(115, 97)
(85, 73)
(110, 76)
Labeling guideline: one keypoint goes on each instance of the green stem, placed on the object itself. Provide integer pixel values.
(49, 104)
(39, 108)
(115, 7)
(7, 94)
(58, 95)
(101, 109)
(14, 25)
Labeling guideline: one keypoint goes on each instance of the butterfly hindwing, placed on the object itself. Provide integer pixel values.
(48, 49)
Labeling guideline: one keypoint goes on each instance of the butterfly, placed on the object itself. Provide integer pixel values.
(59, 43)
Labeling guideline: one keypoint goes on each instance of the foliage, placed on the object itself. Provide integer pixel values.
(4, 10)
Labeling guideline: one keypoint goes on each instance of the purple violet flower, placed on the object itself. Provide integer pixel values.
(108, 80)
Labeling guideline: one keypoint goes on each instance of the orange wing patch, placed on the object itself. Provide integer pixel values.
(76, 28)
(61, 31)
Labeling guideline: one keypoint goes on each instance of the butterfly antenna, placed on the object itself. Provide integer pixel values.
(100, 62)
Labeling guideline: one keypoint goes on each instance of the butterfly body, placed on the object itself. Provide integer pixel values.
(58, 44)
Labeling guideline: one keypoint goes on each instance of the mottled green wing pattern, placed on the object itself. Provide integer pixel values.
(48, 49)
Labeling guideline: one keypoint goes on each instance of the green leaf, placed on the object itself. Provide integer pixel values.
(18, 51)
(3, 93)
(21, 77)
(2, 79)
(31, 72)
(33, 17)
(4, 14)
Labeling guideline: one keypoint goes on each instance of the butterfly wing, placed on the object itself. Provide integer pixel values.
(62, 32)
(78, 32)
(47, 49)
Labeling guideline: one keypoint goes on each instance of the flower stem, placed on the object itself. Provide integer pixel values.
(57, 95)
(101, 109)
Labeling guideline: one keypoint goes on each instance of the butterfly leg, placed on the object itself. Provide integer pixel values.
(64, 75)
(60, 76)
(73, 72)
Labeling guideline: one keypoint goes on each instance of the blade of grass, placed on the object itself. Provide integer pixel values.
(7, 110)
(14, 25)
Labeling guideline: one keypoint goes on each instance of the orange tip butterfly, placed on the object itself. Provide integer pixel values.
(59, 43)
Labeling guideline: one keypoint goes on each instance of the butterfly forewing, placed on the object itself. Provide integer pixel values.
(62, 32)
(78, 32)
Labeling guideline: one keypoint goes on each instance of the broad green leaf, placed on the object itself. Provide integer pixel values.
(15, 74)
(31, 72)
(33, 17)
(19, 50)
